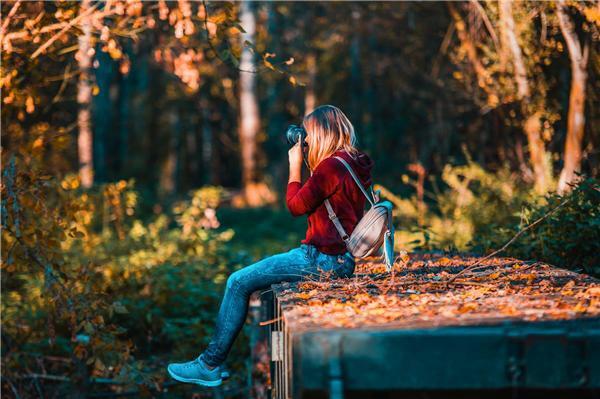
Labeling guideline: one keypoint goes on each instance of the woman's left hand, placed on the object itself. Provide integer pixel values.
(295, 157)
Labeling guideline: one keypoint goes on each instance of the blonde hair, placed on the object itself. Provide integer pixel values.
(328, 130)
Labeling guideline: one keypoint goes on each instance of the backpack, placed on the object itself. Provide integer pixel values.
(374, 229)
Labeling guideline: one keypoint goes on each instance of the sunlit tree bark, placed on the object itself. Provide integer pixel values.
(470, 48)
(84, 99)
(254, 192)
(576, 116)
(532, 125)
(310, 97)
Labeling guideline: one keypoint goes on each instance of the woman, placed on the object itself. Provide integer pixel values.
(329, 133)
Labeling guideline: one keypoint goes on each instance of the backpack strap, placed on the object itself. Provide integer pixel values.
(331, 213)
(336, 221)
(369, 198)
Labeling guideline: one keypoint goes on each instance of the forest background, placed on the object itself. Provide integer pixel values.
(144, 158)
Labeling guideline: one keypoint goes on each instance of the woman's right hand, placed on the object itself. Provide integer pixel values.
(295, 156)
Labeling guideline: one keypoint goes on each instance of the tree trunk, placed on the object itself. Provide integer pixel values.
(207, 141)
(310, 98)
(576, 115)
(254, 191)
(532, 126)
(84, 99)
(509, 41)
(356, 77)
(249, 116)
(125, 119)
(276, 103)
(538, 158)
(103, 113)
(169, 174)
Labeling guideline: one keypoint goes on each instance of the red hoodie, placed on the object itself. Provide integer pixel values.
(332, 180)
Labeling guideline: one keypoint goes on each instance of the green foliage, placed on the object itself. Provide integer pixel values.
(569, 237)
(84, 280)
(480, 211)
(260, 232)
(470, 202)
(475, 200)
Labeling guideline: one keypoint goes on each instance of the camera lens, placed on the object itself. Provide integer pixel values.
(294, 134)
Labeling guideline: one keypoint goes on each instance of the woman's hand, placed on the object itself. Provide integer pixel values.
(295, 158)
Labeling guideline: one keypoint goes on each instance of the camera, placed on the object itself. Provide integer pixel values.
(294, 134)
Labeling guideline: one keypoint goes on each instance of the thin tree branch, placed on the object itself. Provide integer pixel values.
(465, 39)
(12, 12)
(486, 21)
(513, 239)
(63, 31)
(210, 44)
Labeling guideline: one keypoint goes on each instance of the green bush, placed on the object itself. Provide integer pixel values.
(470, 203)
(568, 237)
(480, 211)
(92, 291)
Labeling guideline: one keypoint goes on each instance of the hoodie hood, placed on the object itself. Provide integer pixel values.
(362, 165)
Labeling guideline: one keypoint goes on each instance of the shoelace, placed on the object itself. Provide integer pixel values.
(192, 363)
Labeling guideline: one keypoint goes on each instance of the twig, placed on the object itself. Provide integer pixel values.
(12, 12)
(13, 388)
(474, 283)
(519, 233)
(63, 31)
(210, 44)
(23, 34)
(63, 85)
(267, 322)
(495, 266)
(47, 377)
(487, 22)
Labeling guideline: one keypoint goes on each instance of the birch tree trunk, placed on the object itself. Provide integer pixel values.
(532, 125)
(356, 77)
(254, 191)
(310, 98)
(576, 114)
(84, 99)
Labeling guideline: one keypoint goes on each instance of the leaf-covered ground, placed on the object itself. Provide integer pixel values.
(418, 293)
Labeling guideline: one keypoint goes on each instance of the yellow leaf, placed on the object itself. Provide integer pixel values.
(38, 143)
(303, 295)
(467, 307)
(29, 105)
(268, 65)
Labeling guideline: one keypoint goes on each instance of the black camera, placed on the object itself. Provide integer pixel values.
(294, 134)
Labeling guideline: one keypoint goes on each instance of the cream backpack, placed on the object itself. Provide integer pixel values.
(373, 231)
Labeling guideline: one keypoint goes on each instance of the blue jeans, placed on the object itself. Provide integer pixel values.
(304, 262)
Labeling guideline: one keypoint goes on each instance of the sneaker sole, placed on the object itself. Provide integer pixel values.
(195, 380)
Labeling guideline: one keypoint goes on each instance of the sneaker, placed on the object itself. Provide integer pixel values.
(224, 373)
(195, 372)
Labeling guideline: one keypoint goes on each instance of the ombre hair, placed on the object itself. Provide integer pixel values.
(327, 131)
